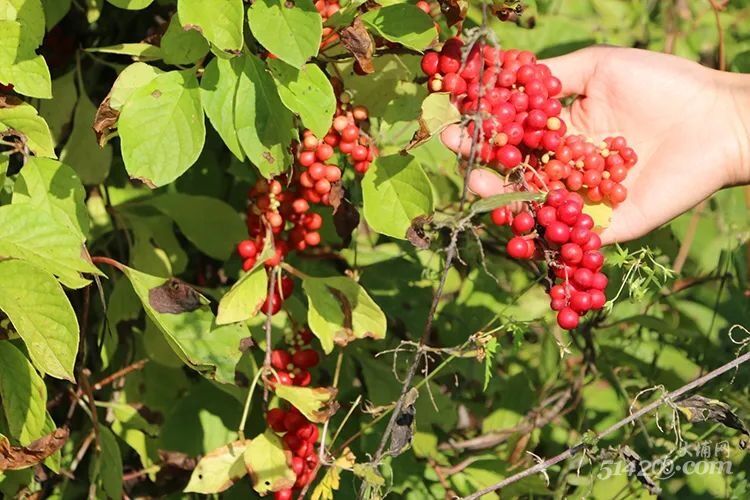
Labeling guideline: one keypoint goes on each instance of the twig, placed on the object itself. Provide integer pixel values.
(138, 365)
(687, 241)
(666, 399)
(267, 329)
(84, 376)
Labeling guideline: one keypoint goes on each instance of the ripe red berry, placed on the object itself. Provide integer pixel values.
(517, 248)
(285, 494)
(580, 302)
(430, 63)
(280, 359)
(523, 223)
(275, 419)
(557, 233)
(247, 249)
(567, 318)
(306, 358)
(571, 253)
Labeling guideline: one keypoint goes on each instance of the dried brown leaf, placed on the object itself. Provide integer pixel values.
(357, 40)
(174, 297)
(22, 457)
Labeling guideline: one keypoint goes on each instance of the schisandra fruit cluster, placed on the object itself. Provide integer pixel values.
(513, 99)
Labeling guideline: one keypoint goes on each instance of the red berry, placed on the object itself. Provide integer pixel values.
(517, 248)
(247, 249)
(275, 418)
(546, 215)
(306, 358)
(293, 421)
(557, 233)
(285, 494)
(523, 223)
(580, 302)
(280, 359)
(571, 253)
(567, 318)
(430, 63)
(509, 156)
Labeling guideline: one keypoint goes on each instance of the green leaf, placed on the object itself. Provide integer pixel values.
(106, 469)
(19, 63)
(402, 23)
(181, 46)
(500, 200)
(82, 150)
(131, 4)
(220, 21)
(161, 128)
(316, 404)
(55, 10)
(132, 78)
(23, 394)
(144, 51)
(210, 224)
(58, 112)
(218, 97)
(307, 92)
(289, 30)
(23, 120)
(29, 13)
(53, 187)
(264, 125)
(340, 311)
(245, 298)
(193, 334)
(396, 190)
(218, 470)
(267, 462)
(437, 113)
(41, 314)
(38, 237)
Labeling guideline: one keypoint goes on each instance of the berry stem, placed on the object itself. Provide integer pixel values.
(248, 400)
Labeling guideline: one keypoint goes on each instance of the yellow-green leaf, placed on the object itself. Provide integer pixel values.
(218, 470)
(268, 463)
(317, 404)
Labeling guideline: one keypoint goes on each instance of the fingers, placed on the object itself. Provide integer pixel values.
(576, 69)
(485, 182)
(457, 139)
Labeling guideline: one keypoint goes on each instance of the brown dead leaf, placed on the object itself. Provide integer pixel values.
(177, 460)
(105, 121)
(9, 101)
(454, 10)
(345, 215)
(174, 297)
(416, 233)
(357, 40)
(22, 457)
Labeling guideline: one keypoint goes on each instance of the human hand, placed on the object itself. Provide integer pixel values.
(684, 121)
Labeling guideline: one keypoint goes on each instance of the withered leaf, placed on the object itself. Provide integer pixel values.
(634, 461)
(9, 101)
(357, 40)
(697, 408)
(104, 121)
(416, 233)
(345, 215)
(403, 431)
(174, 297)
(21, 457)
(246, 344)
(454, 10)
(421, 136)
(177, 460)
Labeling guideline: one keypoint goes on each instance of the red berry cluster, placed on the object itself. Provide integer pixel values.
(521, 130)
(513, 93)
(596, 170)
(299, 434)
(347, 137)
(328, 8)
(560, 232)
(272, 204)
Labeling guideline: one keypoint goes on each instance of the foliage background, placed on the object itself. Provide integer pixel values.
(667, 335)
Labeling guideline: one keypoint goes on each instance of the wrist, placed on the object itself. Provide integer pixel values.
(737, 87)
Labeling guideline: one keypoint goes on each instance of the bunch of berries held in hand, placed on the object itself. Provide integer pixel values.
(292, 367)
(512, 101)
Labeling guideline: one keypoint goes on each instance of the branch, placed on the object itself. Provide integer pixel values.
(667, 398)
